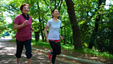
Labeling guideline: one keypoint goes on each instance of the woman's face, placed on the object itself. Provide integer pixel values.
(25, 10)
(55, 13)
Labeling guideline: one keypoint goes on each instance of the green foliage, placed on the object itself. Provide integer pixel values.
(86, 12)
(104, 39)
(2, 22)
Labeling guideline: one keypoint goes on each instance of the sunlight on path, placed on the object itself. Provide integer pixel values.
(7, 51)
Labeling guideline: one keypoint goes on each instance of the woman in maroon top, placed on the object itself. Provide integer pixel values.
(23, 36)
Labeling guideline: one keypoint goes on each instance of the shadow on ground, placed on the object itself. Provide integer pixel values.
(7, 51)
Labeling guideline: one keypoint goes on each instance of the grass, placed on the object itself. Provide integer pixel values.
(40, 44)
(12, 40)
(47, 45)
(70, 47)
(95, 53)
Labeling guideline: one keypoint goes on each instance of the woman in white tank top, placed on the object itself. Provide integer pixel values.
(54, 36)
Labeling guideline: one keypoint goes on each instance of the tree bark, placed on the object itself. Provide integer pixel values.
(55, 4)
(40, 23)
(76, 31)
(60, 5)
(37, 36)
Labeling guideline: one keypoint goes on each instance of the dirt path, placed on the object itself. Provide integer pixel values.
(7, 51)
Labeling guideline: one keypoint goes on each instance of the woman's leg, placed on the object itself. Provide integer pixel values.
(18, 60)
(28, 50)
(52, 43)
(58, 46)
(19, 50)
(29, 61)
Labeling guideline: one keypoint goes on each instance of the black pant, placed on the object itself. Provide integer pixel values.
(20, 48)
(56, 49)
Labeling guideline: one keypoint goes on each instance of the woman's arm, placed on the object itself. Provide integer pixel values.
(16, 26)
(60, 37)
(45, 32)
(32, 29)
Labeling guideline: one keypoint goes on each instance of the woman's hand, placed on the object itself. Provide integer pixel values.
(47, 40)
(16, 26)
(45, 32)
(25, 23)
(32, 29)
(61, 37)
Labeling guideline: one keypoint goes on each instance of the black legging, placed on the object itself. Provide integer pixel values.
(56, 49)
(20, 48)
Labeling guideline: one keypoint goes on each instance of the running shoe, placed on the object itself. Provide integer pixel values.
(49, 54)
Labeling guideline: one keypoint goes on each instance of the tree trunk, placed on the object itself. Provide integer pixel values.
(40, 23)
(76, 31)
(55, 4)
(37, 36)
(41, 30)
(94, 34)
(64, 36)
(60, 5)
